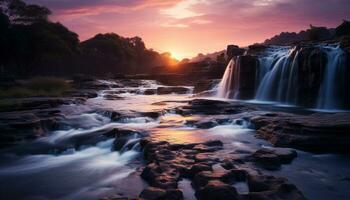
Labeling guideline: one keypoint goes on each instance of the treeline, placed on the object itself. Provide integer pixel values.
(312, 34)
(31, 44)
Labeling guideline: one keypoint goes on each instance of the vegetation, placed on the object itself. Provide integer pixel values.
(30, 44)
(40, 86)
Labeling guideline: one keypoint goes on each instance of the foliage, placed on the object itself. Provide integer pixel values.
(40, 86)
(30, 44)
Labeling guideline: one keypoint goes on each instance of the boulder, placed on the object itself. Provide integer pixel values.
(270, 187)
(234, 50)
(273, 158)
(152, 193)
(217, 190)
(170, 90)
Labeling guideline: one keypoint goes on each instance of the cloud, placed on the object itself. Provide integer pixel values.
(162, 23)
(93, 7)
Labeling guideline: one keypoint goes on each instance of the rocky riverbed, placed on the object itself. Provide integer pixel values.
(138, 139)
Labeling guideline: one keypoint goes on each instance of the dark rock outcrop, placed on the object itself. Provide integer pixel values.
(234, 50)
(273, 158)
(312, 132)
(170, 90)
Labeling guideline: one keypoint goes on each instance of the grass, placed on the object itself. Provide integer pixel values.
(39, 86)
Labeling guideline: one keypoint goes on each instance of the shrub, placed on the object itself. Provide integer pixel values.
(40, 86)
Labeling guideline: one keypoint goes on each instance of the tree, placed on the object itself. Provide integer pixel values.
(21, 13)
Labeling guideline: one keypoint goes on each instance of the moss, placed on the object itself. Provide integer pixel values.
(40, 86)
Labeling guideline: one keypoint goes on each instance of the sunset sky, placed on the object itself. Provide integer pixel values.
(188, 27)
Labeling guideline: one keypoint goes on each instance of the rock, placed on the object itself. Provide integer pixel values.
(234, 50)
(247, 66)
(269, 187)
(213, 107)
(206, 125)
(202, 178)
(152, 193)
(18, 126)
(204, 148)
(312, 62)
(162, 177)
(205, 85)
(272, 158)
(112, 97)
(217, 190)
(256, 49)
(199, 167)
(174, 194)
(170, 90)
(212, 143)
(150, 92)
(306, 132)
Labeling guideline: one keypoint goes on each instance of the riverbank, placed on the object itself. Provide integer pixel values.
(140, 139)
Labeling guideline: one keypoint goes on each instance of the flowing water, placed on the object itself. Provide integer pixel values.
(278, 77)
(77, 162)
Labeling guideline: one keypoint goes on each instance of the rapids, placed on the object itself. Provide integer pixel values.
(61, 166)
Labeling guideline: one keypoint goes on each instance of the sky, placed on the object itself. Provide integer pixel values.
(188, 27)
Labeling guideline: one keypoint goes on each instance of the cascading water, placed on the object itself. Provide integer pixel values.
(312, 76)
(224, 85)
(332, 88)
(278, 75)
(229, 85)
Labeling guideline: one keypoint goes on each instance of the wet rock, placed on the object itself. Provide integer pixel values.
(212, 143)
(112, 97)
(273, 158)
(213, 107)
(248, 65)
(115, 198)
(205, 85)
(153, 115)
(306, 132)
(206, 125)
(152, 193)
(85, 93)
(217, 190)
(205, 148)
(170, 90)
(124, 138)
(205, 157)
(270, 187)
(113, 115)
(18, 126)
(150, 92)
(161, 176)
(199, 167)
(174, 194)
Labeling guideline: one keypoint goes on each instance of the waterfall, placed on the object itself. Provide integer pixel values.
(229, 84)
(308, 75)
(278, 77)
(332, 90)
(225, 83)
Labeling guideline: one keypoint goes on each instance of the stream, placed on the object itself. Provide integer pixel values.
(61, 166)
